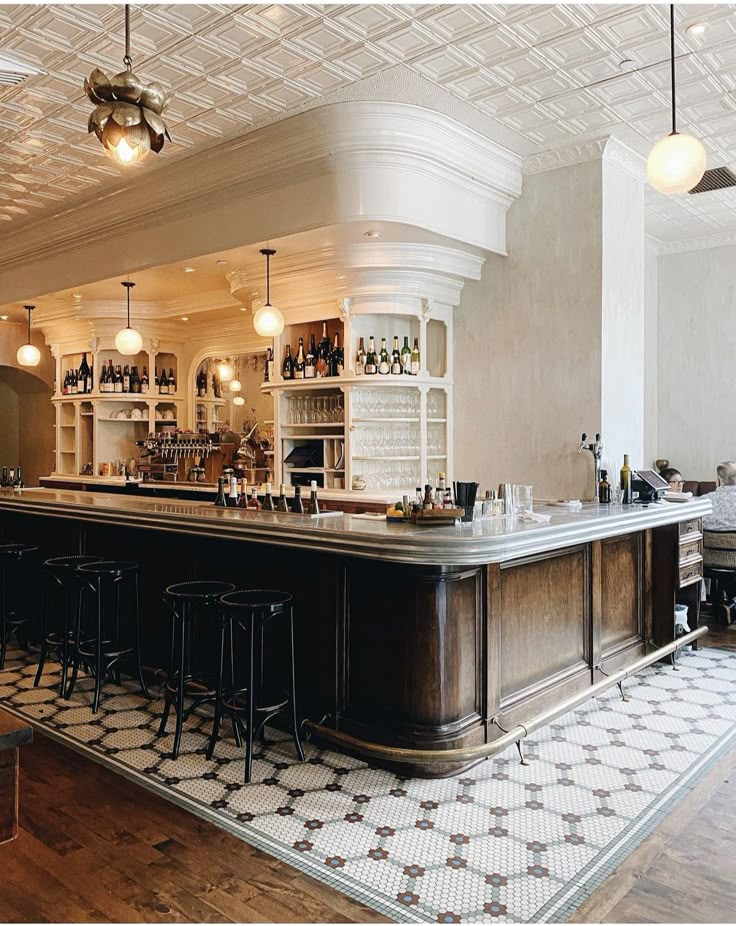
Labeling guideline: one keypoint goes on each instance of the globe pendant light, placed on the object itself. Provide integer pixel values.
(128, 341)
(225, 371)
(235, 385)
(28, 355)
(268, 321)
(238, 400)
(677, 162)
(127, 117)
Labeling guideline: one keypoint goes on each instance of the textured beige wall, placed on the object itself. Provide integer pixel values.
(8, 425)
(697, 347)
(651, 384)
(527, 341)
(35, 435)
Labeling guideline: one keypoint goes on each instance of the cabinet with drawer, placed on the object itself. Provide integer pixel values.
(677, 568)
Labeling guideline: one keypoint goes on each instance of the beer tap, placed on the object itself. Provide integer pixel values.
(595, 448)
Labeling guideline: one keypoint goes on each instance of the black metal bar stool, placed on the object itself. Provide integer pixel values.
(250, 611)
(14, 614)
(104, 648)
(187, 601)
(61, 637)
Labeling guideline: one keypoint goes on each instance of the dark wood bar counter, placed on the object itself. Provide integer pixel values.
(408, 638)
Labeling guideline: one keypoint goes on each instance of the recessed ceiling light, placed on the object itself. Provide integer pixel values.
(697, 29)
(243, 308)
(188, 269)
(222, 261)
(372, 234)
(185, 318)
(3, 318)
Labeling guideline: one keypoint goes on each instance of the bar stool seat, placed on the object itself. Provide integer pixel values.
(11, 621)
(250, 610)
(104, 648)
(186, 601)
(62, 641)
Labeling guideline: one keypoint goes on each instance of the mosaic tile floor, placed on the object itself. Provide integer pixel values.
(503, 843)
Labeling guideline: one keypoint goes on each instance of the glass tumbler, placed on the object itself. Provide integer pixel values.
(523, 498)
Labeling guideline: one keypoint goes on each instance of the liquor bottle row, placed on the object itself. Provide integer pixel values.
(11, 479)
(405, 361)
(324, 359)
(126, 379)
(238, 497)
(80, 380)
(216, 390)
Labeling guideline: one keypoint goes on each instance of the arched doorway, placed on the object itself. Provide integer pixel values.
(26, 423)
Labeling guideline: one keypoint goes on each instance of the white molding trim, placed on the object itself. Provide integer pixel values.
(618, 153)
(719, 240)
(343, 162)
(566, 156)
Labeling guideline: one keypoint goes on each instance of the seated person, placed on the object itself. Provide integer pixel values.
(723, 500)
(674, 478)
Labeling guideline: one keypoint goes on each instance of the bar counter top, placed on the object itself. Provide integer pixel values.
(490, 540)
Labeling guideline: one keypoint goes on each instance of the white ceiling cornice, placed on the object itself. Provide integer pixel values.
(705, 242)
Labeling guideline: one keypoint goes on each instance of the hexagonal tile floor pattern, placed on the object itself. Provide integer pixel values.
(502, 843)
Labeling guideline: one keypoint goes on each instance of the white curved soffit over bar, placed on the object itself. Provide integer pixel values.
(344, 162)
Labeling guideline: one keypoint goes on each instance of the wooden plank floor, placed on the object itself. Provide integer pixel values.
(93, 847)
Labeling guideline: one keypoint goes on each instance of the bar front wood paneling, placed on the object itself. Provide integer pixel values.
(415, 654)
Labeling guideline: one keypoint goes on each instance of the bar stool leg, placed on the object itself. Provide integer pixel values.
(65, 644)
(218, 695)
(4, 615)
(81, 602)
(170, 673)
(44, 633)
(98, 649)
(251, 699)
(233, 718)
(295, 724)
(179, 706)
(259, 685)
(141, 679)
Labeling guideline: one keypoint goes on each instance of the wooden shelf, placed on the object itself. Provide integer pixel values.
(381, 458)
(380, 380)
(118, 397)
(315, 424)
(384, 420)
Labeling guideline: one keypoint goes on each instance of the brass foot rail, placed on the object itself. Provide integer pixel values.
(485, 750)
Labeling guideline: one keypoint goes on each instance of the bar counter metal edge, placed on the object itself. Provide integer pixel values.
(410, 640)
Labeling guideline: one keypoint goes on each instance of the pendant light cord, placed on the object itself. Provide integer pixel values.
(127, 284)
(29, 309)
(672, 66)
(127, 60)
(268, 279)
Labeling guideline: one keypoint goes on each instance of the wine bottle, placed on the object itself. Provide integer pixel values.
(202, 384)
(75, 382)
(253, 502)
(406, 356)
(11, 477)
(384, 365)
(268, 503)
(110, 376)
(298, 506)
(18, 482)
(84, 374)
(220, 499)
(310, 361)
(300, 361)
(268, 366)
(65, 384)
(337, 358)
(626, 481)
(232, 500)
(135, 381)
(91, 378)
(604, 489)
(313, 501)
(287, 369)
(371, 366)
(126, 378)
(323, 353)
(163, 383)
(172, 382)
(282, 504)
(415, 358)
(4, 478)
(144, 380)
(360, 359)
(396, 357)
(118, 379)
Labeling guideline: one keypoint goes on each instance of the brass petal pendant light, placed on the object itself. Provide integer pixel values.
(677, 162)
(127, 117)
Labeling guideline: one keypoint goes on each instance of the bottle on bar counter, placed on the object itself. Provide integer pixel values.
(626, 482)
(604, 489)
(439, 495)
(418, 500)
(268, 503)
(313, 500)
(337, 358)
(287, 368)
(232, 500)
(415, 358)
(300, 361)
(4, 478)
(360, 359)
(427, 501)
(220, 499)
(243, 497)
(396, 358)
(298, 506)
(18, 481)
(384, 364)
(253, 502)
(406, 356)
(282, 504)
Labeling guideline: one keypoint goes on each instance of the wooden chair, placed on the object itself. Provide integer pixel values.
(719, 561)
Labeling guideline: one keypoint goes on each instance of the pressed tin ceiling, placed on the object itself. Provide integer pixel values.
(550, 76)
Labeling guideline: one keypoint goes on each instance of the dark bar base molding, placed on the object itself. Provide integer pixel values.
(417, 649)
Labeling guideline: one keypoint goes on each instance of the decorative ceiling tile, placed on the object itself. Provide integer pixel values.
(284, 95)
(454, 23)
(408, 42)
(321, 40)
(550, 85)
(504, 101)
(475, 85)
(547, 22)
(281, 59)
(367, 21)
(282, 19)
(492, 45)
(361, 61)
(441, 65)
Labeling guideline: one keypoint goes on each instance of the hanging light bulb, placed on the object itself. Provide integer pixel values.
(225, 371)
(28, 355)
(268, 321)
(677, 162)
(127, 116)
(128, 341)
(238, 400)
(235, 385)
